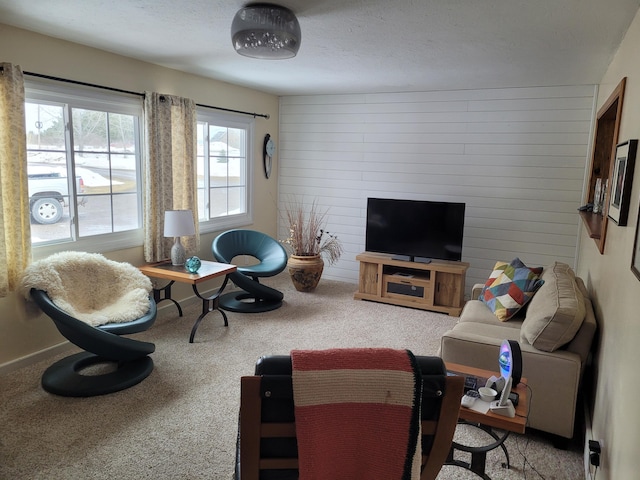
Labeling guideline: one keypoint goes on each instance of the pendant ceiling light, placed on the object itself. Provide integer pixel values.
(266, 31)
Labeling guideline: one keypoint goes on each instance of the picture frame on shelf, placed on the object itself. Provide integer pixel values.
(598, 196)
(621, 178)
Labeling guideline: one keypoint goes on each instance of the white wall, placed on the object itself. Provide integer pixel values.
(516, 157)
(616, 295)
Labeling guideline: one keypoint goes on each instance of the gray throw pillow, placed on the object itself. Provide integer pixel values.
(556, 311)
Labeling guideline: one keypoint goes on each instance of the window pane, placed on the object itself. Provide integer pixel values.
(218, 172)
(217, 141)
(202, 206)
(45, 127)
(94, 170)
(218, 206)
(236, 174)
(200, 129)
(236, 142)
(237, 202)
(44, 209)
(122, 137)
(96, 217)
(47, 172)
(89, 130)
(125, 212)
(123, 171)
(200, 171)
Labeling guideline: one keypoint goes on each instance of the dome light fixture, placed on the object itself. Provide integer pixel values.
(266, 31)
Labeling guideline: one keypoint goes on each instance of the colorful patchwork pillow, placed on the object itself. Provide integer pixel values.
(510, 287)
(499, 268)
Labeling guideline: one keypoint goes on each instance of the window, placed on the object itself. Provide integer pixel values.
(83, 155)
(224, 171)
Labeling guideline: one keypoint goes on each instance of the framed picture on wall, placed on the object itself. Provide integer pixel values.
(635, 258)
(621, 178)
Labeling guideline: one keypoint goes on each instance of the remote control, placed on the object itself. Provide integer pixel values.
(469, 398)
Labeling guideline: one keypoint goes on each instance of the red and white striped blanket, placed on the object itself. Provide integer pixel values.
(357, 414)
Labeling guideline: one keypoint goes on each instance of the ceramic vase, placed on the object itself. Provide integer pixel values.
(305, 271)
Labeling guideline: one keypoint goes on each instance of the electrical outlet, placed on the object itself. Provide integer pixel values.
(601, 442)
(595, 449)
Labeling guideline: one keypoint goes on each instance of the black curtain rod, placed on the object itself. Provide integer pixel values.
(76, 82)
(253, 114)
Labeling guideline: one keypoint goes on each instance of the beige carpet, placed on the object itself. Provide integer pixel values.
(181, 422)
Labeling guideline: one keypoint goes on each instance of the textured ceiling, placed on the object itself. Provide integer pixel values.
(355, 45)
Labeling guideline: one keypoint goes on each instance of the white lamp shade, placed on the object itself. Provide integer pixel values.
(178, 223)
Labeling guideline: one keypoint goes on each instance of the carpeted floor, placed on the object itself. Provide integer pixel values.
(181, 422)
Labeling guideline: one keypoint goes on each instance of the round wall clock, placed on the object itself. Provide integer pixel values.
(268, 150)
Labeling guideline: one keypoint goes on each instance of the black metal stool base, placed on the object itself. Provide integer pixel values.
(62, 378)
(236, 302)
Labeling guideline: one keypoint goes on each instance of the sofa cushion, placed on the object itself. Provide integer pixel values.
(493, 334)
(475, 311)
(556, 312)
(511, 289)
(499, 268)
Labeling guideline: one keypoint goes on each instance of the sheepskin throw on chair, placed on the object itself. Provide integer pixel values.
(90, 287)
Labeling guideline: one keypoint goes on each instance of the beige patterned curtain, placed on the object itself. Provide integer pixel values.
(170, 170)
(15, 227)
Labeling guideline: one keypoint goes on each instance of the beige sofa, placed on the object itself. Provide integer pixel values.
(555, 331)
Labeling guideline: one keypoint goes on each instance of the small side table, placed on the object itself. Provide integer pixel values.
(177, 273)
(488, 422)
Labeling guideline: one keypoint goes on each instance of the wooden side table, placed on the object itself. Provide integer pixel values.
(177, 273)
(488, 422)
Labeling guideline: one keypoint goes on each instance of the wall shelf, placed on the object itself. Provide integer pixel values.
(593, 223)
(604, 145)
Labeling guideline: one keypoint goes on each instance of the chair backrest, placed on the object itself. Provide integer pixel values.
(105, 342)
(267, 447)
(232, 243)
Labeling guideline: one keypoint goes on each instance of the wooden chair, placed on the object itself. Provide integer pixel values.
(267, 448)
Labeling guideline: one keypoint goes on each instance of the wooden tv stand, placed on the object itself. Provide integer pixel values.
(436, 286)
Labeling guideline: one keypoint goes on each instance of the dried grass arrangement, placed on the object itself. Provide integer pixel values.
(307, 233)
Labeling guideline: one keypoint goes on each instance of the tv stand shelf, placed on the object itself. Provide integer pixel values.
(437, 286)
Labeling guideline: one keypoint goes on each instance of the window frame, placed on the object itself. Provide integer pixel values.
(230, 120)
(46, 91)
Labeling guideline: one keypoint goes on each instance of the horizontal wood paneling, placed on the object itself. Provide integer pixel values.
(515, 156)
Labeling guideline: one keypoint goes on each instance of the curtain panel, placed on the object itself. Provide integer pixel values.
(15, 218)
(170, 170)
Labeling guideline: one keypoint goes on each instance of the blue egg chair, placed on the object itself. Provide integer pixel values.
(93, 301)
(272, 259)
(102, 344)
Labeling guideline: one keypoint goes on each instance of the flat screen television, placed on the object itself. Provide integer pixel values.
(415, 230)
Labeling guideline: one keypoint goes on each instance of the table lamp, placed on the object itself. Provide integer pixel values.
(178, 223)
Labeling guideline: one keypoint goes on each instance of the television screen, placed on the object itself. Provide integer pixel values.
(415, 229)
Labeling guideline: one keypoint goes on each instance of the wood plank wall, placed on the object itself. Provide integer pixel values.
(515, 156)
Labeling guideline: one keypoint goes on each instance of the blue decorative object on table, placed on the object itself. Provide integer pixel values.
(192, 264)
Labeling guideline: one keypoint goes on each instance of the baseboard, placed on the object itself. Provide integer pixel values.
(35, 357)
